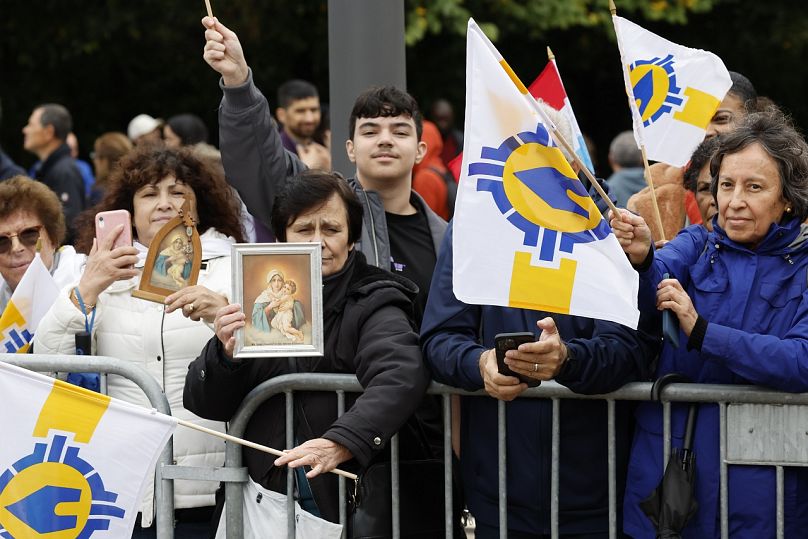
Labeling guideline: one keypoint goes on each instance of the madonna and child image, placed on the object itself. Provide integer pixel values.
(172, 267)
(277, 300)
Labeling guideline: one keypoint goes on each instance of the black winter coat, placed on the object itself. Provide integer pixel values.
(368, 332)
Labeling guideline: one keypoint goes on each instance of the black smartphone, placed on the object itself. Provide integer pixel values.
(511, 341)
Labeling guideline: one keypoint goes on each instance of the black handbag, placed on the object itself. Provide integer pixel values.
(420, 501)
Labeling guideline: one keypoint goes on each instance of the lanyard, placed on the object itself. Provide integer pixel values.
(88, 322)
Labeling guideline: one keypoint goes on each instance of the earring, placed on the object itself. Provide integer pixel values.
(788, 209)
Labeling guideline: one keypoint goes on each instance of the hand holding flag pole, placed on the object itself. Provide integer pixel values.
(637, 126)
(252, 445)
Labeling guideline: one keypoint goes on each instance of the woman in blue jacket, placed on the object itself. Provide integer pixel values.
(739, 293)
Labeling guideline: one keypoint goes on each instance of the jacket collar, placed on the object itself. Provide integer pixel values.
(56, 155)
(781, 239)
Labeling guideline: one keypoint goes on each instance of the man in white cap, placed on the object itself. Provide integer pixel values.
(144, 128)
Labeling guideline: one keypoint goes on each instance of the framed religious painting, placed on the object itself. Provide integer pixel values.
(173, 260)
(280, 288)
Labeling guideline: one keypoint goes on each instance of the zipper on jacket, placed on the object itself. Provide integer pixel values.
(372, 230)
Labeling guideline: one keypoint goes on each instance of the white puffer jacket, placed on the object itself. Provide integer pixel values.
(164, 344)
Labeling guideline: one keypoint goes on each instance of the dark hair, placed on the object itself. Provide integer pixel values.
(189, 127)
(777, 136)
(215, 204)
(700, 158)
(743, 89)
(57, 116)
(21, 193)
(310, 190)
(385, 102)
(295, 90)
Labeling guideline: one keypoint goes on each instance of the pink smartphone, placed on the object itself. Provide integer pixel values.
(105, 223)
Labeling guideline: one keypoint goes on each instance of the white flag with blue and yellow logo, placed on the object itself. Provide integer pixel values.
(32, 298)
(526, 232)
(673, 91)
(73, 462)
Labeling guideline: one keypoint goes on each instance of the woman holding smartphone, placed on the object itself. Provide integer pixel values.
(152, 184)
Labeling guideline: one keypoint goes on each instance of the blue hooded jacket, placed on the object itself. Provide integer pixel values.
(756, 306)
(606, 356)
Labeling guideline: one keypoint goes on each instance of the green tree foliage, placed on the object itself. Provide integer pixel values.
(108, 60)
(534, 18)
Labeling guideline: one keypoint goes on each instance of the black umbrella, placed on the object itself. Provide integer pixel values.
(671, 505)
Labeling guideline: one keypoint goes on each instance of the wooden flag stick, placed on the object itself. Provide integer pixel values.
(550, 55)
(632, 104)
(210, 11)
(653, 193)
(252, 445)
(559, 138)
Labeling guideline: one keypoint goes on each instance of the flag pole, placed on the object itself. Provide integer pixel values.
(550, 55)
(650, 183)
(207, 6)
(559, 138)
(632, 103)
(252, 445)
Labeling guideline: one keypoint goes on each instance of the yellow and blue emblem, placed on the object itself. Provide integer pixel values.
(536, 190)
(53, 492)
(657, 94)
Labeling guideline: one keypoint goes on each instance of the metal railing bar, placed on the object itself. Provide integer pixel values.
(447, 466)
(343, 514)
(502, 463)
(722, 487)
(290, 474)
(611, 441)
(555, 460)
(394, 486)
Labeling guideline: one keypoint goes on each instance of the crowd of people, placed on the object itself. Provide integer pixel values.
(732, 269)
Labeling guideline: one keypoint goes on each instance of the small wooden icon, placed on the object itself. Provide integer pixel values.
(174, 258)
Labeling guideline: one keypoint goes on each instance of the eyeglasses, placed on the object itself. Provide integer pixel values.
(28, 237)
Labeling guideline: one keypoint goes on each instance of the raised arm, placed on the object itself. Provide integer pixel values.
(254, 159)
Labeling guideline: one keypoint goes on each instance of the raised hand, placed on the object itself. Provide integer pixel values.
(223, 52)
(633, 234)
(106, 265)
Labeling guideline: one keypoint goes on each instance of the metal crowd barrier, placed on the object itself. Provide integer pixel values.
(757, 427)
(767, 427)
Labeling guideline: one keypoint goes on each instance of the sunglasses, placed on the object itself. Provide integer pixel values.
(28, 237)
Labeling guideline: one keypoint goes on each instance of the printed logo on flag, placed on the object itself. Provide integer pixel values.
(656, 92)
(53, 492)
(536, 191)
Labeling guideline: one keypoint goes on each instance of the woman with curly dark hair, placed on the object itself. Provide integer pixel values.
(152, 184)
